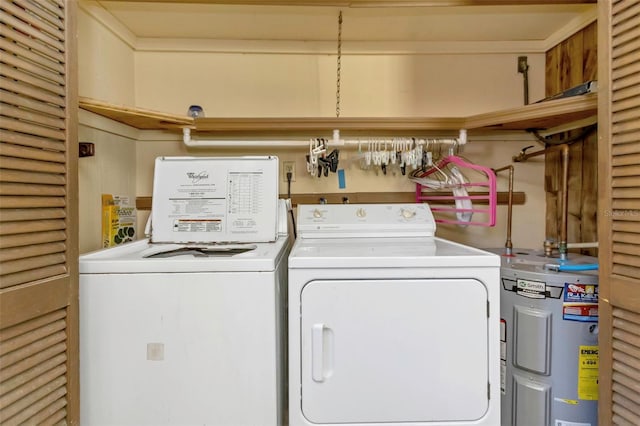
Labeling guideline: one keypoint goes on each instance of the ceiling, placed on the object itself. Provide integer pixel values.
(277, 22)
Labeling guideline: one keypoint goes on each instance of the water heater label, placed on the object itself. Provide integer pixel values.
(531, 289)
(580, 302)
(588, 362)
(580, 293)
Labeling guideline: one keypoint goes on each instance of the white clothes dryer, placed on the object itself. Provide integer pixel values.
(389, 325)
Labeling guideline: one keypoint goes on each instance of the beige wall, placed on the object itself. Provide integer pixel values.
(111, 171)
(106, 62)
(246, 85)
(106, 72)
(262, 85)
(528, 223)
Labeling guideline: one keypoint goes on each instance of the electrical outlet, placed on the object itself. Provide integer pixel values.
(289, 167)
(522, 64)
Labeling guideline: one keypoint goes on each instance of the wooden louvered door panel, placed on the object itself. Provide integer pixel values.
(619, 211)
(38, 213)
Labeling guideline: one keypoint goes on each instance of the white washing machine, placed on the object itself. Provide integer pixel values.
(187, 334)
(389, 325)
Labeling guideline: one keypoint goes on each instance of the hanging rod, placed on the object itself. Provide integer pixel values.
(334, 141)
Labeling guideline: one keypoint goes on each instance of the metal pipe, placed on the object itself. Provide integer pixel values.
(523, 156)
(562, 248)
(508, 245)
(550, 245)
(564, 206)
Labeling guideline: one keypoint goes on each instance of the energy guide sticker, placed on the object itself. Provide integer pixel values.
(588, 362)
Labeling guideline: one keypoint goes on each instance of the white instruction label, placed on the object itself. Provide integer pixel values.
(215, 199)
(245, 192)
(566, 423)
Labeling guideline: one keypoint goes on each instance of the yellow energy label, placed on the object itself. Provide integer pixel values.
(588, 362)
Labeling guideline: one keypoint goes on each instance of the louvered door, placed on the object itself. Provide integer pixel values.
(38, 213)
(619, 211)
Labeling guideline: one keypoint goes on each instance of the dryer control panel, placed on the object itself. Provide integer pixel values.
(365, 220)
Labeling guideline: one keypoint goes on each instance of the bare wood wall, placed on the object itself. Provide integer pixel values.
(570, 63)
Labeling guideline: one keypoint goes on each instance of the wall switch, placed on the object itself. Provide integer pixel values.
(289, 167)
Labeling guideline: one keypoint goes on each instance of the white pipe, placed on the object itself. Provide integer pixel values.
(241, 143)
(336, 138)
(268, 143)
(582, 245)
(462, 139)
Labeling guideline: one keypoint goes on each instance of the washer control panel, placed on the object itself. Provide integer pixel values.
(365, 220)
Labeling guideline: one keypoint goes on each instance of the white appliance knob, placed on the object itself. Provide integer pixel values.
(361, 212)
(407, 214)
(317, 214)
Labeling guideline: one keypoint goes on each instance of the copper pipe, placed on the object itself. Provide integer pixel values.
(508, 245)
(564, 148)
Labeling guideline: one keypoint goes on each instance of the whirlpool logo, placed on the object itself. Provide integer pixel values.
(197, 176)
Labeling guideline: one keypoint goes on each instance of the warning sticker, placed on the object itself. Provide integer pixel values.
(197, 225)
(531, 289)
(580, 302)
(580, 312)
(580, 293)
(588, 362)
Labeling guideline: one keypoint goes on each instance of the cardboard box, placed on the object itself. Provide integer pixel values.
(118, 220)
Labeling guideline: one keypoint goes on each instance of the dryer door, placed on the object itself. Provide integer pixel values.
(394, 350)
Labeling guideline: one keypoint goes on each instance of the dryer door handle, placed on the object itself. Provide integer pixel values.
(321, 352)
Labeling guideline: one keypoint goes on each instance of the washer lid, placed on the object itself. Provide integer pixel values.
(426, 252)
(143, 257)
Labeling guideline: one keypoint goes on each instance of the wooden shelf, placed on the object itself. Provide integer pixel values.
(539, 116)
(136, 117)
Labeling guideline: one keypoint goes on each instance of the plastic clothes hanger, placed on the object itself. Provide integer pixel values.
(464, 206)
(438, 201)
(441, 179)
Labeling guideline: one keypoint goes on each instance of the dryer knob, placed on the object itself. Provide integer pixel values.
(361, 212)
(317, 214)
